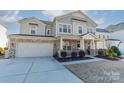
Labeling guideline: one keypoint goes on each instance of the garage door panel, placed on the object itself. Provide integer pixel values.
(34, 49)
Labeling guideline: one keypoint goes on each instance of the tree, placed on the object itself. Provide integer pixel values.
(1, 50)
(5, 48)
(116, 50)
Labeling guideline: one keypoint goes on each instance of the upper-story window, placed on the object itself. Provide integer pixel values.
(99, 36)
(103, 36)
(90, 30)
(60, 27)
(65, 28)
(69, 29)
(48, 32)
(94, 33)
(108, 36)
(33, 29)
(80, 29)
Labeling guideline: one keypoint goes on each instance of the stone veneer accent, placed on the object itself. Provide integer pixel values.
(12, 50)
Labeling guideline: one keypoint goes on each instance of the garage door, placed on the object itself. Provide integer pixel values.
(34, 49)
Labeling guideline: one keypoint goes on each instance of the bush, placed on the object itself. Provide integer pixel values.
(5, 48)
(81, 53)
(56, 55)
(116, 50)
(102, 52)
(63, 54)
(112, 54)
(74, 54)
(1, 51)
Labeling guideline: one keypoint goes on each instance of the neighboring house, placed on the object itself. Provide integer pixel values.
(117, 35)
(70, 32)
(103, 34)
(3, 35)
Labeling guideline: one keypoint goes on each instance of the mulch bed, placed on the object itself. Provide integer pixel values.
(105, 57)
(70, 59)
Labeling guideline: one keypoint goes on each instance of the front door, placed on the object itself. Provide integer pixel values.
(87, 46)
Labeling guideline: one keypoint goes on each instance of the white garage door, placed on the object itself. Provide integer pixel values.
(34, 49)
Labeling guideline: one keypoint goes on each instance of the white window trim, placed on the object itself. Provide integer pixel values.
(36, 29)
(49, 33)
(67, 28)
(78, 29)
(93, 29)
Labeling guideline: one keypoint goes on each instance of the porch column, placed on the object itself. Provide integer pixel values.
(93, 46)
(104, 44)
(81, 43)
(61, 43)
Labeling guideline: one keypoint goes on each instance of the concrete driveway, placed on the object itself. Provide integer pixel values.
(35, 70)
(104, 71)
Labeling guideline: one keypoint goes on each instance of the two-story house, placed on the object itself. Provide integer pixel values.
(70, 32)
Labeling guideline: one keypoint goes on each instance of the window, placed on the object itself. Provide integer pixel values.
(80, 29)
(94, 33)
(108, 36)
(87, 30)
(48, 32)
(69, 29)
(60, 27)
(103, 36)
(64, 28)
(99, 36)
(78, 45)
(90, 30)
(33, 29)
(67, 47)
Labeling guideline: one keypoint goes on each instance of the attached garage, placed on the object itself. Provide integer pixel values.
(34, 49)
(31, 46)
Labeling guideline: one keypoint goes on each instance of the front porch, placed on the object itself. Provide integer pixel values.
(87, 43)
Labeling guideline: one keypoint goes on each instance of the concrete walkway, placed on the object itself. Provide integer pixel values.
(84, 61)
(35, 70)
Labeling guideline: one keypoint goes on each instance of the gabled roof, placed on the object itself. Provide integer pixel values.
(102, 30)
(116, 27)
(46, 22)
(89, 34)
(114, 39)
(43, 21)
(57, 17)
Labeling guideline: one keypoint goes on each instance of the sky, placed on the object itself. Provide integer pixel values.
(102, 17)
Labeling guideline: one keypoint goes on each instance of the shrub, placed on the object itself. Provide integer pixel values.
(116, 50)
(74, 54)
(63, 54)
(112, 54)
(81, 53)
(1, 51)
(102, 52)
(5, 48)
(56, 54)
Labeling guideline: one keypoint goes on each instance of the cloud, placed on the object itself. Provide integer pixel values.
(101, 17)
(53, 13)
(100, 21)
(8, 16)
